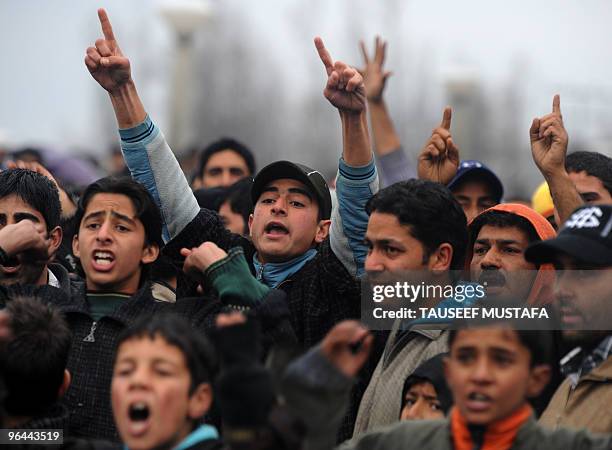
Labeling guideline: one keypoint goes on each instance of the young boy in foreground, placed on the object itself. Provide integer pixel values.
(161, 386)
(492, 370)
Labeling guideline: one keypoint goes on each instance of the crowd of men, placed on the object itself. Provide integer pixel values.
(221, 309)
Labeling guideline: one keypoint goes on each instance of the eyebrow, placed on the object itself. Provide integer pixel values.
(19, 216)
(384, 241)
(425, 396)
(500, 241)
(293, 190)
(120, 216)
(502, 350)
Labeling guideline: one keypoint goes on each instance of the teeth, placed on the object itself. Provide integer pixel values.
(103, 255)
(477, 396)
(103, 262)
(139, 411)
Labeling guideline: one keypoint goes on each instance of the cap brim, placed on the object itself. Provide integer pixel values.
(578, 247)
(275, 171)
(287, 169)
(486, 174)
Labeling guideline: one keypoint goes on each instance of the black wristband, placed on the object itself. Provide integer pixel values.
(3, 256)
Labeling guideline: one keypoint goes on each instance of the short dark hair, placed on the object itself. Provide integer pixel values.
(594, 164)
(34, 189)
(145, 207)
(538, 342)
(227, 144)
(431, 212)
(502, 219)
(28, 154)
(239, 197)
(35, 357)
(178, 332)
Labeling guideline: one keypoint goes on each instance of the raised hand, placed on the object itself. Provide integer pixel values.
(34, 167)
(230, 319)
(197, 260)
(344, 89)
(28, 239)
(439, 159)
(347, 346)
(549, 141)
(105, 61)
(374, 76)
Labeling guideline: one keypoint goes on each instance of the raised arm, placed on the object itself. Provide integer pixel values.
(392, 160)
(357, 179)
(439, 159)
(548, 147)
(144, 147)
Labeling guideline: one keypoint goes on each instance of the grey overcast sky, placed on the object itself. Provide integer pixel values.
(550, 45)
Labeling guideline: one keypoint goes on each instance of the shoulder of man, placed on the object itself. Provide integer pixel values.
(327, 265)
(405, 435)
(207, 226)
(534, 436)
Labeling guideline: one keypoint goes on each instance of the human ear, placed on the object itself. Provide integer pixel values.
(149, 253)
(322, 231)
(250, 225)
(539, 377)
(200, 401)
(75, 246)
(65, 384)
(55, 235)
(440, 260)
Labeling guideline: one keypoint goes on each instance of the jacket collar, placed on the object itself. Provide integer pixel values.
(272, 274)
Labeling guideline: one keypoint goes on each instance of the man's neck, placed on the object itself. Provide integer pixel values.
(43, 279)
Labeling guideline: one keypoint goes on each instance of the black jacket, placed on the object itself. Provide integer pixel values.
(319, 295)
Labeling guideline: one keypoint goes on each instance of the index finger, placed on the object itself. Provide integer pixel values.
(328, 62)
(446, 118)
(364, 52)
(107, 28)
(379, 56)
(557, 104)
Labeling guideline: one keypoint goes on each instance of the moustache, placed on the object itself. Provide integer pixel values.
(492, 278)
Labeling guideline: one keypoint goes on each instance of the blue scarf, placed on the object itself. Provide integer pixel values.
(272, 274)
(202, 433)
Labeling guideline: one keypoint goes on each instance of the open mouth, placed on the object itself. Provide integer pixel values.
(478, 401)
(11, 265)
(570, 316)
(103, 260)
(492, 278)
(276, 228)
(138, 413)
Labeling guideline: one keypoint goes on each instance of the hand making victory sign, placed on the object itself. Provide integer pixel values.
(439, 159)
(374, 76)
(344, 89)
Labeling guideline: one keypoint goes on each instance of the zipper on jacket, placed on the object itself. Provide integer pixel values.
(260, 273)
(90, 337)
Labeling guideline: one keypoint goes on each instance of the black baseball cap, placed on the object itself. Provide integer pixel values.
(312, 179)
(474, 169)
(586, 236)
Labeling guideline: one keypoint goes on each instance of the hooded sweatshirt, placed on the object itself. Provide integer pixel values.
(542, 289)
